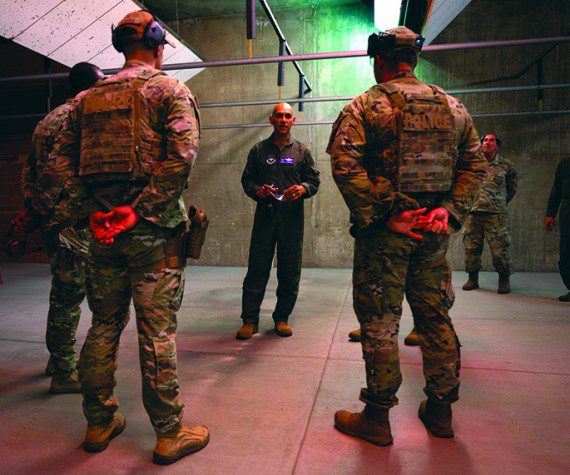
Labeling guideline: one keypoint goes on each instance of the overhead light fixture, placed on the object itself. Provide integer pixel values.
(386, 13)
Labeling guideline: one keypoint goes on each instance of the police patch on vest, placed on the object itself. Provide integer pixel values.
(426, 149)
(270, 159)
(287, 160)
(426, 118)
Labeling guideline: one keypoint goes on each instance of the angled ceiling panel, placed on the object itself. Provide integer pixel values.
(17, 15)
(71, 31)
(442, 14)
(87, 44)
(61, 24)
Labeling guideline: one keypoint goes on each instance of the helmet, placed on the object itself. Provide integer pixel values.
(390, 43)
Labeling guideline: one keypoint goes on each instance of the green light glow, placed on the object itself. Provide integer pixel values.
(386, 13)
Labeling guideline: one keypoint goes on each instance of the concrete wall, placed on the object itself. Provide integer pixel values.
(534, 143)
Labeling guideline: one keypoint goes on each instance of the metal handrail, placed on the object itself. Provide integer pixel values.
(294, 100)
(307, 57)
(330, 122)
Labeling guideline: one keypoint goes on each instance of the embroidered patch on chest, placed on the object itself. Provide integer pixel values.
(270, 159)
(287, 160)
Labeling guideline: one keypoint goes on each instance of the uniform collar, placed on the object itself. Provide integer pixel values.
(289, 142)
(131, 63)
(495, 160)
(403, 75)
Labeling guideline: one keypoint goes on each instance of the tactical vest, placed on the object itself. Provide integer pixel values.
(117, 141)
(426, 148)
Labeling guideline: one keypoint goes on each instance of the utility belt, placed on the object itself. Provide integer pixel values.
(173, 257)
(186, 243)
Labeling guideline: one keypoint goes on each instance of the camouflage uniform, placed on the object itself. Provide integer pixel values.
(488, 218)
(145, 165)
(67, 250)
(387, 265)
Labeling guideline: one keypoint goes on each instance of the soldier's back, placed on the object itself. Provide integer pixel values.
(380, 115)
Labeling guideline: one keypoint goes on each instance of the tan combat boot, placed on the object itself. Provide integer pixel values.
(473, 282)
(413, 339)
(371, 425)
(504, 284)
(97, 438)
(436, 418)
(246, 331)
(354, 335)
(65, 383)
(283, 329)
(172, 447)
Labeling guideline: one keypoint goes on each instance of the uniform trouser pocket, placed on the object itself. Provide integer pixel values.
(499, 238)
(67, 292)
(157, 297)
(165, 363)
(380, 267)
(430, 295)
(473, 241)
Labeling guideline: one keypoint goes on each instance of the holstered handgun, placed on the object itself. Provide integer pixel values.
(196, 233)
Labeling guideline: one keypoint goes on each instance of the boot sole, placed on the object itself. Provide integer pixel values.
(355, 340)
(371, 439)
(168, 459)
(470, 288)
(284, 335)
(241, 337)
(99, 447)
(428, 427)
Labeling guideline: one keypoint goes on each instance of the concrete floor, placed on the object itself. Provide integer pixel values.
(269, 402)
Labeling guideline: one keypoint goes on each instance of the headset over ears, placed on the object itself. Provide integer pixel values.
(153, 35)
(382, 43)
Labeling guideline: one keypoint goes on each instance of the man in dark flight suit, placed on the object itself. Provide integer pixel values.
(559, 200)
(280, 173)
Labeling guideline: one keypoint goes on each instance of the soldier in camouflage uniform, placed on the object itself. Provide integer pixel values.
(126, 155)
(67, 250)
(397, 150)
(488, 218)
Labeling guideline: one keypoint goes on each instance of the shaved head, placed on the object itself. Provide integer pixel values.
(282, 107)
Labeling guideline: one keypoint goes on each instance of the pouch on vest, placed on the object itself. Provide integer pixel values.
(117, 141)
(426, 147)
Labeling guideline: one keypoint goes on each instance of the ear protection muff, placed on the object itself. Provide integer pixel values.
(153, 35)
(115, 41)
(382, 43)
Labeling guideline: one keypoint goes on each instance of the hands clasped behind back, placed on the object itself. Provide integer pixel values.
(106, 226)
(436, 221)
